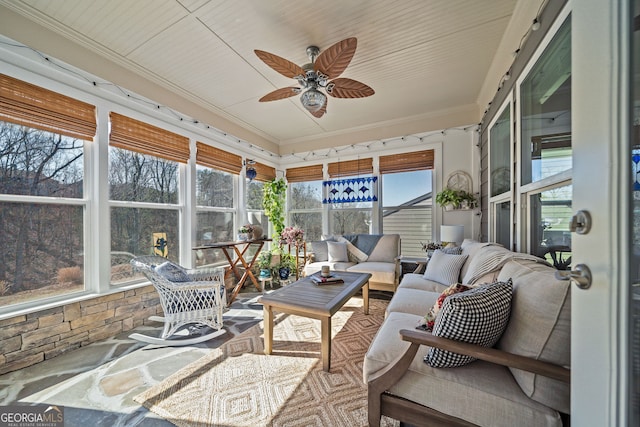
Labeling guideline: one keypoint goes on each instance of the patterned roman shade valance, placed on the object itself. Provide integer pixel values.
(351, 168)
(215, 158)
(141, 137)
(407, 162)
(305, 173)
(30, 105)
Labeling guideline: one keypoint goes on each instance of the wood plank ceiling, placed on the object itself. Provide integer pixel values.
(423, 58)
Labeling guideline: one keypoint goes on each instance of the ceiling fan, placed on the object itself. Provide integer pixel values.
(316, 75)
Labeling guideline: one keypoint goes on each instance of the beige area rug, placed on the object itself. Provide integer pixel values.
(238, 385)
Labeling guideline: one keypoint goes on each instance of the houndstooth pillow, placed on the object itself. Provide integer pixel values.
(477, 316)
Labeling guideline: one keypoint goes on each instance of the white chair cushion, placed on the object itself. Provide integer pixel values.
(382, 272)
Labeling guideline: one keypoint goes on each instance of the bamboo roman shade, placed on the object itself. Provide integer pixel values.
(144, 138)
(407, 162)
(264, 172)
(215, 158)
(351, 168)
(29, 105)
(305, 173)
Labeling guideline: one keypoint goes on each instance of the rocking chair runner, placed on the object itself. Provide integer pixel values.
(189, 298)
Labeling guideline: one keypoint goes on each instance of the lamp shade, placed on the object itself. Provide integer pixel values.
(452, 233)
(313, 100)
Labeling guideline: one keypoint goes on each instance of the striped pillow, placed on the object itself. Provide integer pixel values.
(444, 268)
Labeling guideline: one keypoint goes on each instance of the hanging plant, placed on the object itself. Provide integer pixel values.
(456, 199)
(273, 202)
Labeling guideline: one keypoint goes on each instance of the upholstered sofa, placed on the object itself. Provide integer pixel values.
(366, 253)
(512, 324)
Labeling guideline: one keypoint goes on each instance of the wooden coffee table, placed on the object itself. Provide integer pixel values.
(305, 298)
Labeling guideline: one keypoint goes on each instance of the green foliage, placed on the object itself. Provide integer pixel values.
(287, 261)
(273, 202)
(455, 198)
(264, 260)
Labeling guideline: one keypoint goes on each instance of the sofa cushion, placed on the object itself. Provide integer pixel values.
(387, 249)
(412, 301)
(382, 272)
(417, 281)
(387, 345)
(172, 272)
(354, 254)
(480, 393)
(337, 251)
(444, 268)
(430, 317)
(320, 250)
(477, 316)
(540, 328)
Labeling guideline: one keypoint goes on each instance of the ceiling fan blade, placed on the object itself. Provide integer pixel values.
(333, 61)
(321, 111)
(281, 93)
(348, 88)
(281, 65)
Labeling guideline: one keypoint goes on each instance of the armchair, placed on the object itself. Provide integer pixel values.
(189, 299)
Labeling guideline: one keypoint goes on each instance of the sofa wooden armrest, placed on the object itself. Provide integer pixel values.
(381, 403)
(492, 355)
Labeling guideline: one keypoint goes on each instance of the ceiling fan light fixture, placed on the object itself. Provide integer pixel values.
(313, 100)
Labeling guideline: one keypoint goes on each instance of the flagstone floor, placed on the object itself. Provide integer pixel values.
(96, 384)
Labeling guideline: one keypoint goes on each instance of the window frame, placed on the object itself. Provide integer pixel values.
(507, 196)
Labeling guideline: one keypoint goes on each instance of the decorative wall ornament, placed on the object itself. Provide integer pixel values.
(349, 190)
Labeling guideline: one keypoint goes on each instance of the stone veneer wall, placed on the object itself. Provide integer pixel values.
(31, 338)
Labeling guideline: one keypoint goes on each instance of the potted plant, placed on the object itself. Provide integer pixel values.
(456, 199)
(273, 202)
(264, 263)
(286, 266)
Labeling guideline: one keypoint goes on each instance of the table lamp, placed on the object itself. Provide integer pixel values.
(451, 234)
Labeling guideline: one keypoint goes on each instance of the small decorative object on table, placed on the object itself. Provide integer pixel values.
(246, 232)
(258, 232)
(325, 271)
(431, 247)
(330, 280)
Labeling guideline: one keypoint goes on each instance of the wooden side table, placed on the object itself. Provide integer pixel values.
(421, 263)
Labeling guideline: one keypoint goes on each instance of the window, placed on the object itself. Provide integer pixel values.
(545, 111)
(500, 162)
(42, 196)
(144, 173)
(549, 215)
(305, 200)
(255, 190)
(545, 151)
(407, 199)
(305, 208)
(351, 193)
(216, 193)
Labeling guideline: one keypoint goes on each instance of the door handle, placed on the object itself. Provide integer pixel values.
(581, 276)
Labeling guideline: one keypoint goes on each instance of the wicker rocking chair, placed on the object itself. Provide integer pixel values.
(189, 298)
